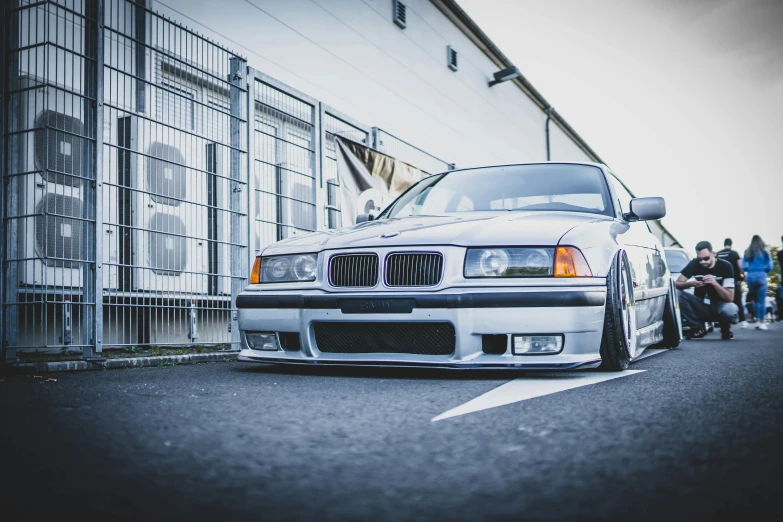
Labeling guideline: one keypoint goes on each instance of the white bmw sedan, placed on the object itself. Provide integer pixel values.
(531, 266)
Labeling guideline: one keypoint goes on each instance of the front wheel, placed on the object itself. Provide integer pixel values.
(618, 343)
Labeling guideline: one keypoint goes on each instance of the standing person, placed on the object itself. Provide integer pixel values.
(757, 262)
(713, 295)
(779, 289)
(727, 254)
(780, 259)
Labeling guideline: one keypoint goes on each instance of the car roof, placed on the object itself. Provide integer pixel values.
(588, 163)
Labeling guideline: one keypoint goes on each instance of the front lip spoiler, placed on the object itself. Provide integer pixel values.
(433, 365)
(465, 300)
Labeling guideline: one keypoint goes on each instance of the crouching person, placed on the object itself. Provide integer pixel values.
(712, 296)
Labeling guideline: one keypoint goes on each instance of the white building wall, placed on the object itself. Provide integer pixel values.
(350, 55)
(563, 148)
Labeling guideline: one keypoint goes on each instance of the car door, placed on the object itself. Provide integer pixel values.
(645, 254)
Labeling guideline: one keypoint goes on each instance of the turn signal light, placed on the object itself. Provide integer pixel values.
(570, 262)
(255, 274)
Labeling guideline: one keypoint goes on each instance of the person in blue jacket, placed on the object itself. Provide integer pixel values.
(757, 262)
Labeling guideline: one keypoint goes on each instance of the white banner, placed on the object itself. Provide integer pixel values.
(369, 180)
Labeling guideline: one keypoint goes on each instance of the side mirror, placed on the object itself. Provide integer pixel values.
(643, 209)
(361, 218)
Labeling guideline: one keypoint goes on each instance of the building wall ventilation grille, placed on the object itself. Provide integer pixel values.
(452, 57)
(400, 13)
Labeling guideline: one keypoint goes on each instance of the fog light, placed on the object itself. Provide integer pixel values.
(262, 341)
(536, 344)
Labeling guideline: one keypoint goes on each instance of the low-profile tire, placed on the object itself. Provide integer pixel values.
(671, 322)
(618, 343)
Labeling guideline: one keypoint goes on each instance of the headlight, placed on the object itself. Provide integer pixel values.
(303, 268)
(287, 269)
(509, 262)
(493, 262)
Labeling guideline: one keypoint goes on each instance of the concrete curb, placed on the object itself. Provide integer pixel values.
(110, 364)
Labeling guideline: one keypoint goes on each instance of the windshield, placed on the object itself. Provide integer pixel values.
(676, 259)
(548, 186)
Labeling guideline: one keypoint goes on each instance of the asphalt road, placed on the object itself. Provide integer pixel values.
(695, 436)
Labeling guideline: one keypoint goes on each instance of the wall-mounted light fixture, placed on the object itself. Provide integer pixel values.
(509, 73)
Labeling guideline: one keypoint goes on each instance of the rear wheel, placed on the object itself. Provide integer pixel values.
(618, 344)
(672, 326)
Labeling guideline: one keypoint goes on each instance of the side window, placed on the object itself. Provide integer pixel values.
(623, 196)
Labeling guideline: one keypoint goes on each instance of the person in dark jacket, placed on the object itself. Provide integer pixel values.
(757, 262)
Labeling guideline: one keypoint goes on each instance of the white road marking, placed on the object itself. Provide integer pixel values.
(649, 352)
(532, 386)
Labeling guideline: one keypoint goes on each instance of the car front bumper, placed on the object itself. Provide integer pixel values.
(576, 313)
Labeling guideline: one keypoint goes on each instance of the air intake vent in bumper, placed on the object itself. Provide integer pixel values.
(414, 269)
(413, 338)
(353, 270)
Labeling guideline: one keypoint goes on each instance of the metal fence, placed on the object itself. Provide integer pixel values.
(135, 152)
(284, 163)
(174, 134)
(335, 124)
(393, 146)
(49, 185)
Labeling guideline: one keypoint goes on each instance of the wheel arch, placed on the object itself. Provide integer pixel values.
(598, 242)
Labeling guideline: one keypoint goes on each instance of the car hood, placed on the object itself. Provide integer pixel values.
(468, 229)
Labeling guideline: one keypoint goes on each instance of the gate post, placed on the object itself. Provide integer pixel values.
(92, 290)
(239, 90)
(9, 295)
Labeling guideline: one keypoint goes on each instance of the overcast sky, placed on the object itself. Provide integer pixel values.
(681, 99)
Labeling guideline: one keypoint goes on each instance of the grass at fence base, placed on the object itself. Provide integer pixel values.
(118, 353)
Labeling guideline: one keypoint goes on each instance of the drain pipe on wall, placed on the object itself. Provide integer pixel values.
(549, 112)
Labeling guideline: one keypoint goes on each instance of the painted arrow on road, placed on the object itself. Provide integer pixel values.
(537, 385)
